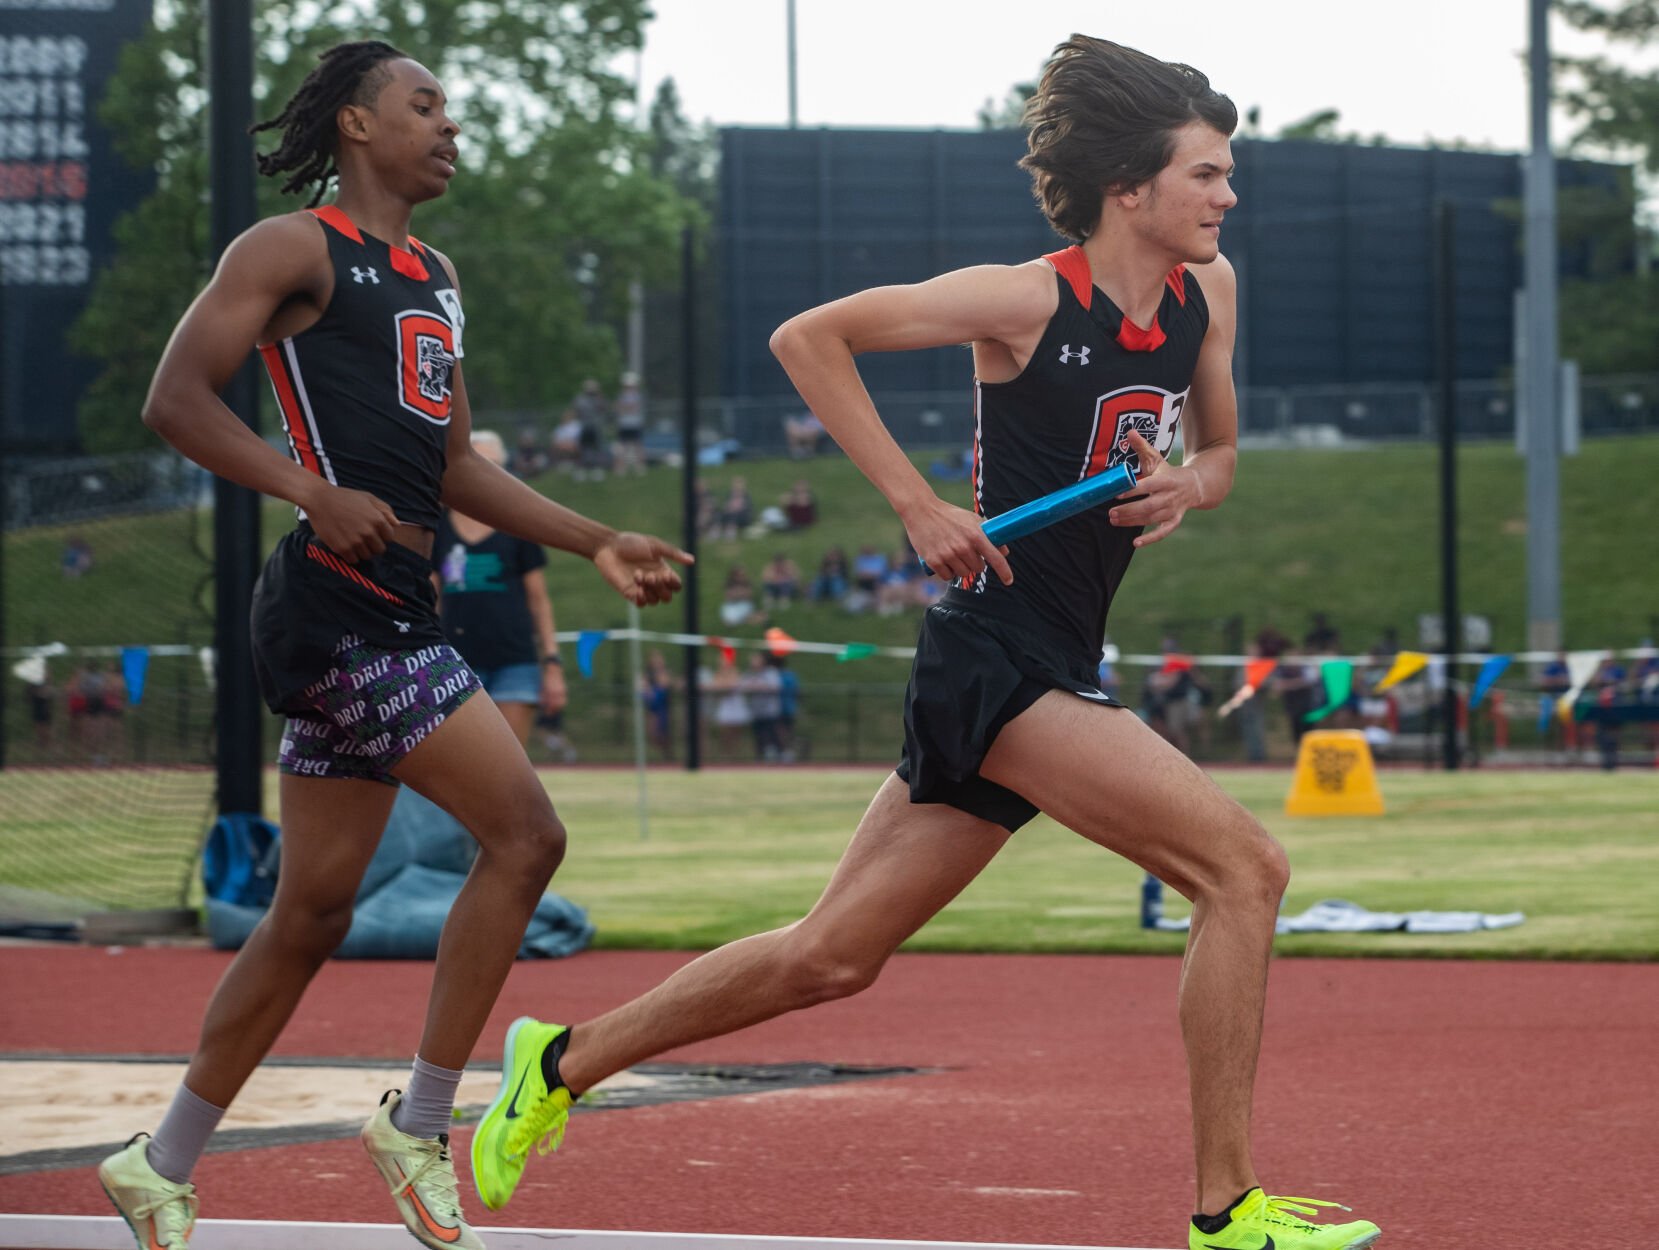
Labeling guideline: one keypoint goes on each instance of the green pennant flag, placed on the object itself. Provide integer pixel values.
(1338, 676)
(856, 651)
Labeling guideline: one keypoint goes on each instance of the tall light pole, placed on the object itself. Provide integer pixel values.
(1541, 373)
(794, 115)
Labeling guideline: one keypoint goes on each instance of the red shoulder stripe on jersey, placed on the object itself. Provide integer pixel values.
(407, 263)
(331, 561)
(336, 217)
(1177, 280)
(292, 417)
(1073, 266)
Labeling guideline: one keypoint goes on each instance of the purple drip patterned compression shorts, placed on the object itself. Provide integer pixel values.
(372, 708)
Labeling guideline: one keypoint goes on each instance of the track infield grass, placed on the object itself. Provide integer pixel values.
(734, 852)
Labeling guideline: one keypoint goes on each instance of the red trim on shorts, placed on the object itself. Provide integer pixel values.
(329, 560)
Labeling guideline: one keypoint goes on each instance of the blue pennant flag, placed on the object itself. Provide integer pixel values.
(587, 642)
(135, 666)
(1489, 673)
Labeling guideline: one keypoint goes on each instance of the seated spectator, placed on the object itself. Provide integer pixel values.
(708, 511)
(870, 569)
(800, 506)
(77, 557)
(898, 589)
(831, 584)
(737, 511)
(804, 435)
(780, 581)
(567, 441)
(737, 602)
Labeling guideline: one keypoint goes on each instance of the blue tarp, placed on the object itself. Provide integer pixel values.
(407, 892)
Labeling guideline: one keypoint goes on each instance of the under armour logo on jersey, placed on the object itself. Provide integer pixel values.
(365, 275)
(1081, 355)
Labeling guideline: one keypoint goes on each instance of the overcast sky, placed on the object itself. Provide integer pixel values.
(1414, 70)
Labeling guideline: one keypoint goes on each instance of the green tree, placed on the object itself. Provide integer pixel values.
(556, 211)
(1009, 112)
(1612, 325)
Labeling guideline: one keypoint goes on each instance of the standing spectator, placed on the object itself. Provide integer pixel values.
(1322, 637)
(593, 412)
(789, 706)
(630, 427)
(102, 693)
(1251, 715)
(800, 506)
(731, 704)
(1607, 688)
(495, 611)
(1299, 690)
(40, 696)
(780, 582)
(1554, 680)
(763, 687)
(657, 685)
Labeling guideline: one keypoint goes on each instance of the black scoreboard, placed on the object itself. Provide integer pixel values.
(62, 187)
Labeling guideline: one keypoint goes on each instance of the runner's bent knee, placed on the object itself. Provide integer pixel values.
(821, 969)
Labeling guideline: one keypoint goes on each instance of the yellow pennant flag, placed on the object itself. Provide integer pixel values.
(1406, 664)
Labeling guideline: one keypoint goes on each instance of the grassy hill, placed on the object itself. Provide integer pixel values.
(1351, 532)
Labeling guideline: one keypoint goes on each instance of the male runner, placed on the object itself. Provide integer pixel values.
(1083, 359)
(360, 326)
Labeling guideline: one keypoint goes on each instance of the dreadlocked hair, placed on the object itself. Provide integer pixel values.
(348, 73)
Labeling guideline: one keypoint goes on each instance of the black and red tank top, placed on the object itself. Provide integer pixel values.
(365, 392)
(1094, 377)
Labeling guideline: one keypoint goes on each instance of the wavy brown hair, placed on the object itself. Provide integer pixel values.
(1103, 121)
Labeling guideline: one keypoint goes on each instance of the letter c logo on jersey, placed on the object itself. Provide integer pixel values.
(1151, 412)
(425, 361)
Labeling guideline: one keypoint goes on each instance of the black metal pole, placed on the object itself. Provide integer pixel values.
(688, 482)
(1445, 303)
(236, 547)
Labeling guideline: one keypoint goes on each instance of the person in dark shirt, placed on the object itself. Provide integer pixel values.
(493, 602)
(1084, 360)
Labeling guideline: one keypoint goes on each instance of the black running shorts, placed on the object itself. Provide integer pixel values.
(975, 671)
(310, 606)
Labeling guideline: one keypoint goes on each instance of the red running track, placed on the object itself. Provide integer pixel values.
(1459, 1104)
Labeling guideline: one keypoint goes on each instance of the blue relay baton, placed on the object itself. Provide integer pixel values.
(1058, 505)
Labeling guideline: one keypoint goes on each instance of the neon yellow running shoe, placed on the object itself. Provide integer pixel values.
(525, 1113)
(1258, 1222)
(160, 1212)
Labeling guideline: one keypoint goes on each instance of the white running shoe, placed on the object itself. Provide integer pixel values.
(422, 1178)
(160, 1212)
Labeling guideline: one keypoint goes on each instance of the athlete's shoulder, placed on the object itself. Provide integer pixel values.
(444, 263)
(1216, 279)
(286, 250)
